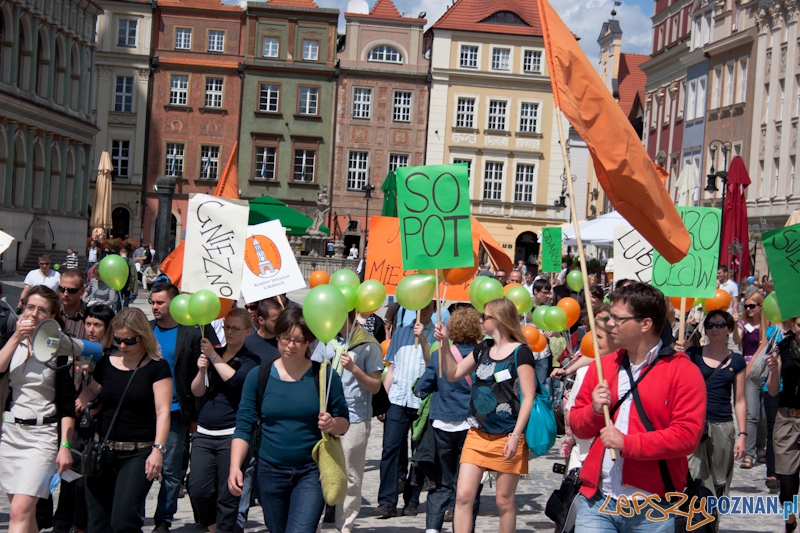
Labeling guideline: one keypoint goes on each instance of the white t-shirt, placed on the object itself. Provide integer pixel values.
(92, 257)
(581, 448)
(34, 278)
(731, 288)
(353, 253)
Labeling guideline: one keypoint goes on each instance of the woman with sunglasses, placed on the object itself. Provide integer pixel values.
(503, 369)
(748, 334)
(41, 396)
(135, 381)
(291, 424)
(723, 371)
(218, 384)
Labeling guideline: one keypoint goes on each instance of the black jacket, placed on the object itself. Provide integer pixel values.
(187, 352)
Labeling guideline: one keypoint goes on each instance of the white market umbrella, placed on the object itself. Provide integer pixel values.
(686, 184)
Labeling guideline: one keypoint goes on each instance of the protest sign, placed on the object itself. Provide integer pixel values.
(5, 241)
(270, 265)
(633, 255)
(694, 276)
(782, 247)
(214, 251)
(433, 206)
(551, 249)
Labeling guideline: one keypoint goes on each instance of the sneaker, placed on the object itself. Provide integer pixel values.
(163, 527)
(448, 515)
(410, 510)
(384, 511)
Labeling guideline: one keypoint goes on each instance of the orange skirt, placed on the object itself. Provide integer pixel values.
(486, 450)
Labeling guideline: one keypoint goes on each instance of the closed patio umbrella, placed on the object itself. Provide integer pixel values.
(734, 221)
(389, 189)
(101, 209)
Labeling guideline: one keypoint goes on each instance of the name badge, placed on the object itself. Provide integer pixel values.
(503, 375)
(749, 328)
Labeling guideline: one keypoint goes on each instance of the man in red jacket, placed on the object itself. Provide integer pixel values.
(672, 396)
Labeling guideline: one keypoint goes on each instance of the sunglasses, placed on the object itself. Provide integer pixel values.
(486, 317)
(717, 325)
(67, 289)
(750, 307)
(130, 341)
(251, 307)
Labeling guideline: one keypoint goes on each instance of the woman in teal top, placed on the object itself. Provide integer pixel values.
(291, 425)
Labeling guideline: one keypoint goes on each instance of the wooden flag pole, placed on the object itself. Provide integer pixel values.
(682, 323)
(582, 255)
(438, 317)
(416, 339)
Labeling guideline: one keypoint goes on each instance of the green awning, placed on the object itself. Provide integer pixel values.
(267, 208)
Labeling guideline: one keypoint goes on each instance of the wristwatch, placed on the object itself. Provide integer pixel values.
(160, 447)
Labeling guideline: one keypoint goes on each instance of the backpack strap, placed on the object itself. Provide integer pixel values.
(263, 376)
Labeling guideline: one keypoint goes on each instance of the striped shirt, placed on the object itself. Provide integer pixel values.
(409, 365)
(75, 324)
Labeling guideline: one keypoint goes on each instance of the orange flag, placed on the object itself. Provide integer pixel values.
(623, 167)
(227, 187)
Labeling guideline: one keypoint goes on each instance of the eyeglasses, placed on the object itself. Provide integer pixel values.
(231, 328)
(288, 340)
(486, 317)
(251, 307)
(130, 341)
(621, 319)
(717, 325)
(41, 311)
(750, 307)
(67, 289)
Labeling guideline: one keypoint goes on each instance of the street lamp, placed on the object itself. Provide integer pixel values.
(368, 188)
(711, 186)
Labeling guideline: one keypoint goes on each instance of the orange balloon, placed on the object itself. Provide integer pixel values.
(572, 308)
(319, 277)
(385, 347)
(225, 306)
(457, 276)
(720, 301)
(510, 285)
(676, 303)
(540, 345)
(531, 335)
(587, 345)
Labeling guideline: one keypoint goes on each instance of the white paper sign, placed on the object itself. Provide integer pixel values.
(216, 229)
(270, 267)
(5, 241)
(633, 255)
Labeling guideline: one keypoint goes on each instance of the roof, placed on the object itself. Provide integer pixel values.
(199, 5)
(303, 4)
(467, 15)
(631, 79)
(385, 10)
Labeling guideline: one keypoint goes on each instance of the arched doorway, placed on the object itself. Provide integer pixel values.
(526, 248)
(120, 222)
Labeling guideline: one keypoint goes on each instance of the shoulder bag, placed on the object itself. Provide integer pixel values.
(540, 433)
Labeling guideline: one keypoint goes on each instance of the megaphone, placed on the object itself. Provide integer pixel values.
(49, 342)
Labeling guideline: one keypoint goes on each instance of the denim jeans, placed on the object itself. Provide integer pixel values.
(448, 452)
(395, 430)
(290, 498)
(591, 519)
(540, 368)
(756, 434)
(208, 483)
(172, 472)
(249, 487)
(115, 498)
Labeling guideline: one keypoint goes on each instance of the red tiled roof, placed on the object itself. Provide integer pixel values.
(385, 9)
(631, 79)
(467, 15)
(305, 4)
(204, 5)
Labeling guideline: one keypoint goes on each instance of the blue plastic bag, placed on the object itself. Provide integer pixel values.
(540, 433)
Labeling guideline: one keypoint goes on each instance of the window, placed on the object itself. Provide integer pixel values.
(264, 168)
(397, 160)
(523, 185)
(123, 94)
(775, 191)
(362, 102)
(532, 62)
(469, 166)
(729, 90)
(183, 38)
(766, 104)
(791, 176)
(501, 59)
(493, 181)
(120, 158)
(717, 87)
(465, 113)
(661, 37)
(674, 29)
(179, 90)
(357, 170)
(174, 162)
(126, 32)
(402, 106)
(497, 115)
(691, 101)
(780, 109)
(216, 41)
(529, 117)
(469, 56)
(308, 101)
(697, 43)
(268, 97)
(269, 47)
(701, 98)
(742, 80)
(209, 162)
(310, 50)
(385, 54)
(213, 92)
(681, 99)
(304, 165)
(667, 105)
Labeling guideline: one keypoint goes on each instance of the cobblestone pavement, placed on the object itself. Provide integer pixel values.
(532, 493)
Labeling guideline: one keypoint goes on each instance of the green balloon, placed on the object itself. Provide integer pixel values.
(521, 298)
(204, 307)
(371, 295)
(349, 296)
(555, 319)
(325, 311)
(179, 310)
(575, 280)
(113, 269)
(473, 286)
(416, 291)
(538, 317)
(489, 290)
(345, 276)
(56, 267)
(771, 308)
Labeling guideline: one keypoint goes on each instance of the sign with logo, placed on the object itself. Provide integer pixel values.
(270, 267)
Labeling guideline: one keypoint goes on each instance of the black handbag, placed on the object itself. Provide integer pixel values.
(380, 402)
(562, 500)
(94, 454)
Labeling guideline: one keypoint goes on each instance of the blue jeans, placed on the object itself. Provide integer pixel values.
(249, 485)
(540, 368)
(290, 498)
(591, 519)
(395, 431)
(172, 473)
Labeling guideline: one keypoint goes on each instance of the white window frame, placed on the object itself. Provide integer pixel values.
(180, 38)
(385, 53)
(681, 99)
(362, 102)
(777, 181)
(121, 154)
(179, 90)
(130, 25)
(310, 50)
(209, 162)
(266, 96)
(465, 114)
(742, 80)
(267, 43)
(717, 87)
(214, 92)
(216, 41)
(401, 109)
(357, 170)
(495, 194)
(304, 104)
(490, 115)
(470, 161)
(174, 154)
(123, 100)
(702, 84)
(305, 165)
(498, 66)
(525, 62)
(261, 162)
(691, 100)
(527, 118)
(782, 88)
(730, 71)
(667, 106)
(525, 191)
(477, 57)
